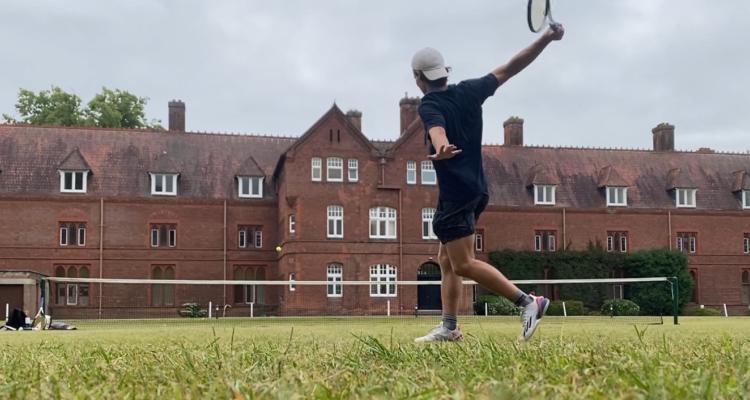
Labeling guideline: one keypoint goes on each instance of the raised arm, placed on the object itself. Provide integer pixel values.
(527, 55)
(443, 149)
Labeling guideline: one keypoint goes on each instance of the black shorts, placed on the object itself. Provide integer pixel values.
(457, 220)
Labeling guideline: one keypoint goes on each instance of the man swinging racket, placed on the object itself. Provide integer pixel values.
(452, 116)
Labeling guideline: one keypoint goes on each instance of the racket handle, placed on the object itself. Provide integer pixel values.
(555, 26)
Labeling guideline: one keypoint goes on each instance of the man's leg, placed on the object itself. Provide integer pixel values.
(461, 257)
(450, 289)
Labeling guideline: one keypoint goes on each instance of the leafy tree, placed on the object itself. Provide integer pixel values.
(49, 107)
(118, 109)
(108, 109)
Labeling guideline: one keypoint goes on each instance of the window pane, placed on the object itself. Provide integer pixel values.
(255, 186)
(79, 180)
(68, 177)
(170, 183)
(81, 236)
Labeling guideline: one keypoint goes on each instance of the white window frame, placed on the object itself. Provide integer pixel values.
(245, 187)
(163, 178)
(384, 222)
(617, 196)
(693, 245)
(384, 277)
(335, 222)
(688, 195)
(154, 243)
(746, 245)
(334, 274)
(292, 279)
(172, 237)
(610, 243)
(74, 287)
(411, 172)
(479, 242)
(537, 242)
(746, 199)
(73, 189)
(242, 239)
(258, 239)
(64, 235)
(428, 214)
(428, 176)
(316, 169)
(551, 243)
(353, 170)
(292, 223)
(81, 236)
(334, 164)
(623, 243)
(547, 193)
(692, 242)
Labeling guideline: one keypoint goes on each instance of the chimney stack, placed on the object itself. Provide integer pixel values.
(176, 116)
(409, 111)
(513, 128)
(355, 117)
(663, 137)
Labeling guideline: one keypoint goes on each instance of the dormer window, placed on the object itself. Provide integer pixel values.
(746, 199)
(250, 187)
(617, 196)
(73, 181)
(544, 195)
(685, 198)
(164, 184)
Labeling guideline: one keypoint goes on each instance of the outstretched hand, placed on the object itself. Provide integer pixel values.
(445, 152)
(555, 32)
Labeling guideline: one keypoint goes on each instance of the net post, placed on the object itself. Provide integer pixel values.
(565, 311)
(209, 309)
(388, 305)
(7, 312)
(486, 309)
(675, 286)
(252, 314)
(726, 314)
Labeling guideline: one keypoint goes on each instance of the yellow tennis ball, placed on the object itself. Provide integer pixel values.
(278, 249)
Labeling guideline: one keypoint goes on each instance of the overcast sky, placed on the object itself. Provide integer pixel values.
(274, 67)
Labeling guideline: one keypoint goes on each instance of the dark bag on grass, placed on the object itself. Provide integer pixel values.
(17, 319)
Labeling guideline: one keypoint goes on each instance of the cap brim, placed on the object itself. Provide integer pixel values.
(436, 74)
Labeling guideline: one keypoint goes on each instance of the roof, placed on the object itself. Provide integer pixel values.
(250, 168)
(74, 162)
(577, 170)
(121, 159)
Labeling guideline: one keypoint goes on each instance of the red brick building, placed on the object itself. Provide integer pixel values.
(84, 202)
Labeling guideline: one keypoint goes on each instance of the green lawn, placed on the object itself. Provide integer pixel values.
(705, 357)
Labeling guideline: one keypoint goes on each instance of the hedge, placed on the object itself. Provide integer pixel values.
(496, 305)
(620, 307)
(572, 307)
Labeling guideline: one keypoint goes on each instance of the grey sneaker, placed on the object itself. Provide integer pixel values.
(441, 334)
(532, 314)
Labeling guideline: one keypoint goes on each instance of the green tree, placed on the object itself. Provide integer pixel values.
(108, 109)
(118, 109)
(48, 107)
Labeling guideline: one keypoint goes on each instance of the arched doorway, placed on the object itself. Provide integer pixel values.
(428, 296)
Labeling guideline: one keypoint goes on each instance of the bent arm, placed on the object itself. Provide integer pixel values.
(443, 149)
(527, 55)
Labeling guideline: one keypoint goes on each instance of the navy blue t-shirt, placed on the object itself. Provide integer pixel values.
(458, 109)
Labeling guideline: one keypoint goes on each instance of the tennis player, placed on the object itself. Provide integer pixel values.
(452, 117)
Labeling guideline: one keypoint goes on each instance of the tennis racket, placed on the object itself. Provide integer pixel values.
(539, 14)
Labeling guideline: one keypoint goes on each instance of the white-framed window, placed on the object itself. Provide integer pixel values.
(687, 242)
(746, 244)
(72, 298)
(617, 241)
(316, 168)
(292, 279)
(242, 240)
(172, 235)
(335, 169)
(382, 223)
(164, 184)
(685, 198)
(428, 173)
(353, 170)
(746, 199)
(479, 240)
(72, 234)
(154, 237)
(292, 223)
(335, 222)
(544, 195)
(258, 239)
(545, 241)
(250, 186)
(411, 172)
(334, 275)
(73, 181)
(427, 215)
(383, 278)
(617, 196)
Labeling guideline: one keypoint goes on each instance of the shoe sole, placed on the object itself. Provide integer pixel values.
(534, 324)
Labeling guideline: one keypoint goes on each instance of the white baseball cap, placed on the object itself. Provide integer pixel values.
(431, 63)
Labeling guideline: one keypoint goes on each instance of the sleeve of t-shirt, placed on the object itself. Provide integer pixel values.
(481, 88)
(431, 116)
